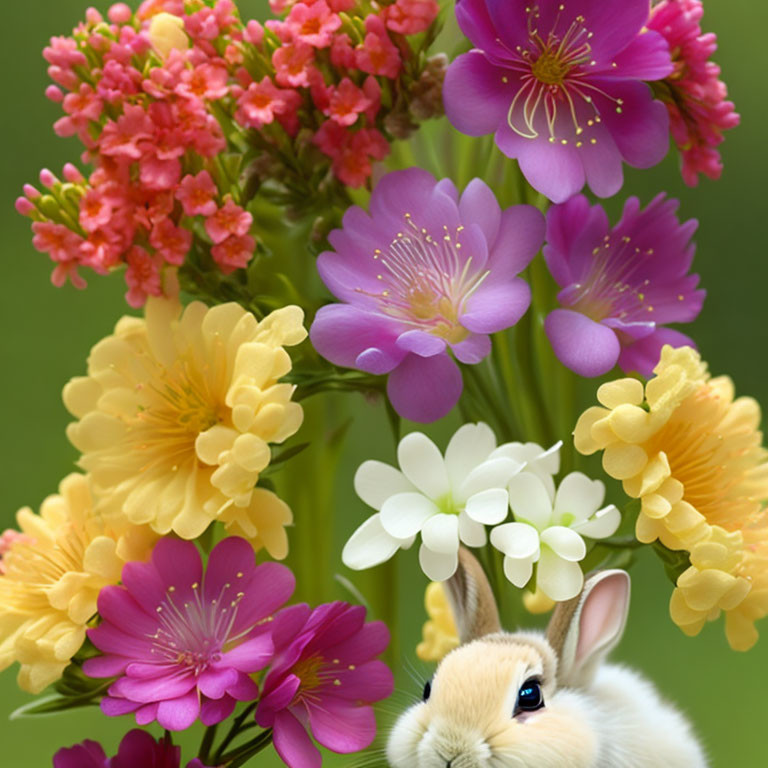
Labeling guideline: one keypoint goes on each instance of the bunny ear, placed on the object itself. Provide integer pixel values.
(584, 630)
(472, 601)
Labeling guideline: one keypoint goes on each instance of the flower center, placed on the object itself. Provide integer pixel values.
(194, 632)
(614, 285)
(426, 281)
(308, 671)
(553, 70)
(549, 69)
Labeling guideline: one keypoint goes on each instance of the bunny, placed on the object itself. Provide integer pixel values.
(527, 700)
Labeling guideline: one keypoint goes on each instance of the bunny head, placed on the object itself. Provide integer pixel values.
(516, 700)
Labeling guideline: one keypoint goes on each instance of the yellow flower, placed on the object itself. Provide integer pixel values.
(440, 635)
(537, 602)
(262, 522)
(682, 445)
(166, 33)
(178, 410)
(51, 578)
(693, 454)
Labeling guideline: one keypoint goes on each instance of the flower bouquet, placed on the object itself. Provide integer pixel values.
(388, 208)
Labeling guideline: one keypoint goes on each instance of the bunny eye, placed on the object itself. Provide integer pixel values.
(427, 690)
(529, 697)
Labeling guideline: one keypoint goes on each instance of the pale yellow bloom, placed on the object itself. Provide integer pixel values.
(262, 522)
(52, 576)
(694, 457)
(439, 634)
(166, 33)
(537, 602)
(178, 410)
(682, 445)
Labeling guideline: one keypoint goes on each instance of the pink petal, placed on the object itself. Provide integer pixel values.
(581, 344)
(179, 714)
(252, 655)
(293, 744)
(342, 727)
(215, 711)
(424, 389)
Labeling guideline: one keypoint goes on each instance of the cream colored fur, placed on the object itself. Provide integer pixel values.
(610, 718)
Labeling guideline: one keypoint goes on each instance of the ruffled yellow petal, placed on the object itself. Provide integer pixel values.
(178, 411)
(439, 634)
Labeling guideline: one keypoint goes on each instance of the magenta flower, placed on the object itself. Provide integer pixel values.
(696, 97)
(560, 84)
(137, 750)
(425, 272)
(184, 644)
(620, 286)
(323, 680)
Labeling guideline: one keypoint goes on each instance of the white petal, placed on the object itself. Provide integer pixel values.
(578, 496)
(471, 533)
(436, 565)
(558, 578)
(469, 446)
(516, 540)
(369, 545)
(529, 500)
(549, 460)
(601, 525)
(441, 533)
(422, 463)
(376, 481)
(518, 571)
(564, 542)
(404, 514)
(516, 451)
(494, 473)
(488, 507)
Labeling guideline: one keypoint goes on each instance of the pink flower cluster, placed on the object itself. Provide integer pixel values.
(174, 123)
(148, 128)
(697, 98)
(366, 61)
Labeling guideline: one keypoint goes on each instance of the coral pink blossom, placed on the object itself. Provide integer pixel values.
(171, 242)
(293, 64)
(697, 98)
(230, 219)
(234, 253)
(378, 54)
(142, 276)
(7, 540)
(60, 243)
(324, 678)
(182, 641)
(409, 17)
(121, 138)
(312, 24)
(260, 103)
(95, 210)
(342, 52)
(347, 101)
(206, 81)
(354, 164)
(196, 195)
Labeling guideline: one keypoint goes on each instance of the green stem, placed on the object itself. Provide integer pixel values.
(233, 732)
(207, 743)
(241, 755)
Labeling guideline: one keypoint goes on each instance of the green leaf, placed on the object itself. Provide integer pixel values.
(675, 562)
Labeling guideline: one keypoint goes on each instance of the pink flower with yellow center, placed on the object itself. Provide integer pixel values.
(184, 642)
(560, 84)
(324, 678)
(425, 273)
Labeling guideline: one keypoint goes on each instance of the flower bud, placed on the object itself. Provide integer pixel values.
(166, 33)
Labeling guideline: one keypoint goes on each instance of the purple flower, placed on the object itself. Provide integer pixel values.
(137, 750)
(559, 82)
(425, 272)
(620, 285)
(184, 644)
(324, 679)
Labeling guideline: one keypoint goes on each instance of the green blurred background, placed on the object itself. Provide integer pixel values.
(48, 332)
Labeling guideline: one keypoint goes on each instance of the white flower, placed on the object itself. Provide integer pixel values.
(542, 462)
(549, 528)
(447, 500)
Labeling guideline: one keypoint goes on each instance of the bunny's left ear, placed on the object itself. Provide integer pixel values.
(471, 597)
(584, 630)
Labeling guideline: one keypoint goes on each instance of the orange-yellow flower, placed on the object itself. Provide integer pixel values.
(439, 634)
(694, 457)
(52, 574)
(178, 410)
